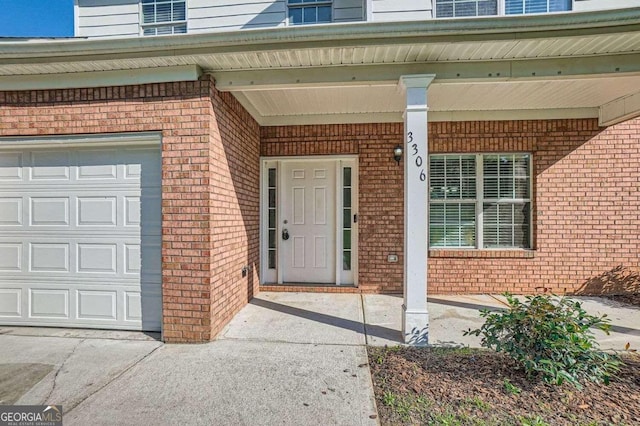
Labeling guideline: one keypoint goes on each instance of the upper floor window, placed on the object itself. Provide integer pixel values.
(164, 17)
(460, 8)
(309, 11)
(516, 7)
(463, 8)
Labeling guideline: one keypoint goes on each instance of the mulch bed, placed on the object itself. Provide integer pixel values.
(478, 387)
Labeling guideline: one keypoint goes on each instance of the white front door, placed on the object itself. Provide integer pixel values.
(308, 217)
(309, 235)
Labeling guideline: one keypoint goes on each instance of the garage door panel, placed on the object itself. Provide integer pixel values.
(95, 304)
(11, 257)
(94, 258)
(50, 165)
(49, 211)
(80, 238)
(11, 166)
(49, 257)
(10, 302)
(97, 164)
(10, 211)
(48, 303)
(97, 211)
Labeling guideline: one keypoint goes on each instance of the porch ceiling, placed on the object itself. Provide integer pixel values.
(560, 98)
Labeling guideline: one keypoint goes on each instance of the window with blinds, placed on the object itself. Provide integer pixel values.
(462, 8)
(518, 7)
(309, 11)
(164, 17)
(466, 8)
(480, 201)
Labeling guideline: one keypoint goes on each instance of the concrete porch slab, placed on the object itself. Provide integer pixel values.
(300, 318)
(449, 316)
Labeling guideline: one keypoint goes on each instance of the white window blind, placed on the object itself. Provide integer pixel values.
(480, 201)
(515, 7)
(462, 8)
(164, 17)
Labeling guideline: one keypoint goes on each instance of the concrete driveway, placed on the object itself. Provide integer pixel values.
(286, 358)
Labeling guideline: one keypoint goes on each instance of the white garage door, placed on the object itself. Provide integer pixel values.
(80, 235)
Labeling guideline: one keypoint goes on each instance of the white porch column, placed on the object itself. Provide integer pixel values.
(415, 318)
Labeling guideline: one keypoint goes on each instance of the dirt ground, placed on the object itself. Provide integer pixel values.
(478, 387)
(437, 386)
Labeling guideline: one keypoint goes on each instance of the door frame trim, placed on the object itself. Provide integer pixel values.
(264, 271)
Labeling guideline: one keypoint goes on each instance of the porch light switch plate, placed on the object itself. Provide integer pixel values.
(392, 258)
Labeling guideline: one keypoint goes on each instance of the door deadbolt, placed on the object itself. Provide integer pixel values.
(285, 234)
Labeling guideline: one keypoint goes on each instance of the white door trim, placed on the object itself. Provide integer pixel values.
(271, 276)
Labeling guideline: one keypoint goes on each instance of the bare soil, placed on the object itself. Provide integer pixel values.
(438, 386)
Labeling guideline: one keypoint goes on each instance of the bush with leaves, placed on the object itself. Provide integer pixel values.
(550, 338)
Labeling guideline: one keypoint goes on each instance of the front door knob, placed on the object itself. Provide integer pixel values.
(285, 234)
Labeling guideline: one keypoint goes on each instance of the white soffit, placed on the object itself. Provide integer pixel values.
(621, 109)
(450, 51)
(567, 98)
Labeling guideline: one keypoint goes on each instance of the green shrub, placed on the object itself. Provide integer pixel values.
(549, 338)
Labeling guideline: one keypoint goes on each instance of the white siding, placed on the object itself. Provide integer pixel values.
(401, 10)
(220, 15)
(584, 5)
(108, 18)
(120, 18)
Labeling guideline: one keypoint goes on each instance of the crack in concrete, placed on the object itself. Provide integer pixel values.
(55, 377)
(364, 321)
(116, 377)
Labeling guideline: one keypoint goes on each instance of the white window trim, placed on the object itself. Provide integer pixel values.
(501, 11)
(302, 5)
(480, 200)
(143, 26)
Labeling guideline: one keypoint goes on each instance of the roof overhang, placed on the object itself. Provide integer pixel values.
(560, 65)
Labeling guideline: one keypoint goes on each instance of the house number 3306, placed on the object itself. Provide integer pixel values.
(415, 154)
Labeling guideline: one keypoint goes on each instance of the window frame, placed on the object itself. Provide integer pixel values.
(504, 8)
(316, 3)
(171, 24)
(480, 200)
(500, 11)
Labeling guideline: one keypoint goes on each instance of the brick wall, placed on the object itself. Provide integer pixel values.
(586, 209)
(199, 130)
(586, 203)
(235, 208)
